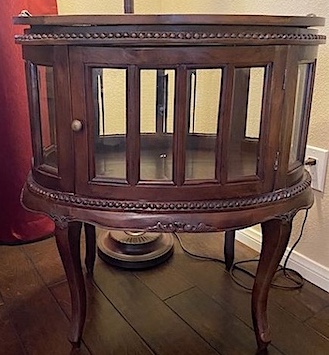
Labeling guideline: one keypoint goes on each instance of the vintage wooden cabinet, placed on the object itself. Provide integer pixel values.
(170, 123)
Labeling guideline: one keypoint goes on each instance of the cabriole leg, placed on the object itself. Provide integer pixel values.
(276, 234)
(68, 244)
(90, 232)
(229, 249)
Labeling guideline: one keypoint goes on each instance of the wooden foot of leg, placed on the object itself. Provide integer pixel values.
(229, 249)
(276, 235)
(90, 232)
(68, 244)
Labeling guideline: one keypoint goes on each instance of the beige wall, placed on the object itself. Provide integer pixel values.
(315, 244)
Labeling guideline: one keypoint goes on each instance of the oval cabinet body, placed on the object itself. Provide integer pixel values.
(171, 123)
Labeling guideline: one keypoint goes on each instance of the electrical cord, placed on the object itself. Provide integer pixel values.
(294, 277)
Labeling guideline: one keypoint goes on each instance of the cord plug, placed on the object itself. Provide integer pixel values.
(310, 161)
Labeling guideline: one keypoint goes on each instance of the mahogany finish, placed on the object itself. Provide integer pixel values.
(236, 197)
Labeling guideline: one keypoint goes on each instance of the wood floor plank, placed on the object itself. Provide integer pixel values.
(212, 245)
(105, 332)
(61, 292)
(164, 281)
(155, 322)
(303, 303)
(286, 328)
(320, 322)
(46, 260)
(293, 337)
(226, 333)
(45, 257)
(36, 316)
(9, 340)
(203, 307)
(213, 280)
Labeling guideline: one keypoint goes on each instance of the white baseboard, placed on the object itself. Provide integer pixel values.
(312, 271)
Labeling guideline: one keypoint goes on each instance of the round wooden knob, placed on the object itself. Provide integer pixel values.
(76, 125)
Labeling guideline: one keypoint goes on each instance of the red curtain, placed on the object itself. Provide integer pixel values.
(16, 224)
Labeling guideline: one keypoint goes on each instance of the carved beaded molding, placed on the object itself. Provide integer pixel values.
(70, 199)
(181, 227)
(177, 36)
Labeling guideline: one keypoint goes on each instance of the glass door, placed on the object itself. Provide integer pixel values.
(199, 119)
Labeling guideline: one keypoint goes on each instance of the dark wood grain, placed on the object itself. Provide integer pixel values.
(152, 319)
(50, 269)
(212, 279)
(303, 303)
(294, 337)
(61, 292)
(30, 305)
(276, 234)
(90, 248)
(320, 322)
(203, 273)
(165, 282)
(106, 331)
(68, 244)
(229, 249)
(180, 130)
(64, 117)
(211, 245)
(302, 21)
(9, 339)
(202, 298)
(128, 6)
(226, 333)
(133, 125)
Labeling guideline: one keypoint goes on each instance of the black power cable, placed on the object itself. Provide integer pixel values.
(293, 276)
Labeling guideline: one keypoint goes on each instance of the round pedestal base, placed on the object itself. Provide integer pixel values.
(134, 250)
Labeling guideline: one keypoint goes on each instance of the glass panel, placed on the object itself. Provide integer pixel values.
(109, 85)
(245, 123)
(157, 117)
(299, 112)
(205, 91)
(47, 115)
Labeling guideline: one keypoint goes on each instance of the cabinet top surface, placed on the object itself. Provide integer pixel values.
(177, 19)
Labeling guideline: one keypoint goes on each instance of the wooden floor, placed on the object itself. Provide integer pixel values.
(184, 306)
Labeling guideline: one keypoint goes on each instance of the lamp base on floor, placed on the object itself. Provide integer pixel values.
(134, 250)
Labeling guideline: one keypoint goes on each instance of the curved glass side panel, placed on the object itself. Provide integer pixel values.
(301, 113)
(46, 107)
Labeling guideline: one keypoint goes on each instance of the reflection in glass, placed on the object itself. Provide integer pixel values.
(202, 121)
(299, 112)
(157, 90)
(245, 122)
(47, 115)
(109, 85)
